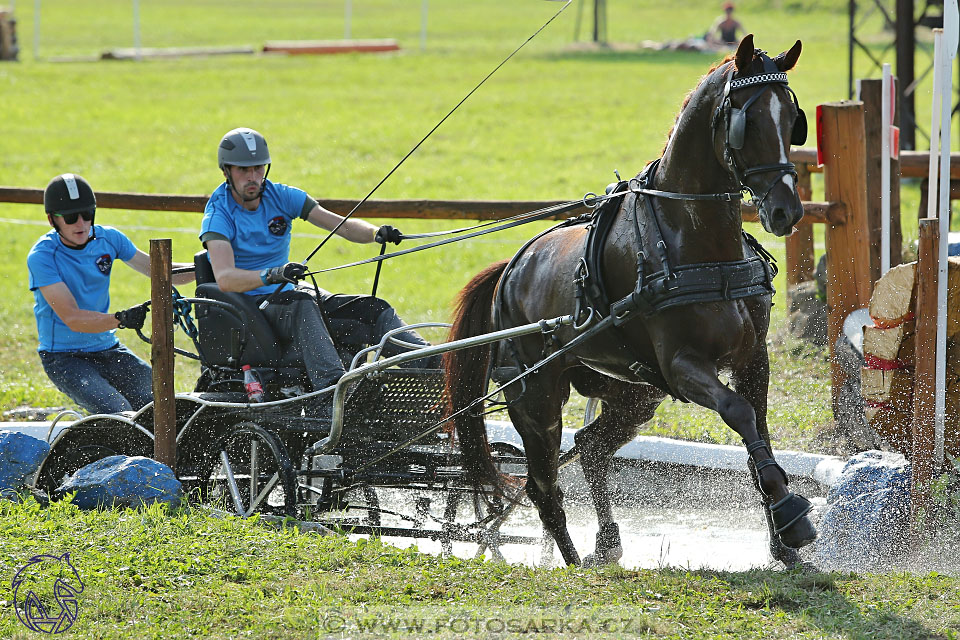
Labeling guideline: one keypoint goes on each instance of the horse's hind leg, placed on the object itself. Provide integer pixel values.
(751, 382)
(536, 416)
(625, 407)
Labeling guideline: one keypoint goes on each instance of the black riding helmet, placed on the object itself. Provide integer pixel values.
(69, 193)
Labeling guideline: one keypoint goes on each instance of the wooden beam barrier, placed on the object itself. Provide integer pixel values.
(923, 466)
(847, 243)
(161, 314)
(833, 212)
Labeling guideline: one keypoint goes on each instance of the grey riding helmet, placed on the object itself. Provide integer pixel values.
(243, 147)
(69, 193)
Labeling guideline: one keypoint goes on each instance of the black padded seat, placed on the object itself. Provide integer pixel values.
(233, 339)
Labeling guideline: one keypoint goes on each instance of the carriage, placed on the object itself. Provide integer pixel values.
(381, 463)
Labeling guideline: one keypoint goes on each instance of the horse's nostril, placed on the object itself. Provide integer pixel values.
(780, 219)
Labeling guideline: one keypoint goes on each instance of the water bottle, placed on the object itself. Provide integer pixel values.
(252, 385)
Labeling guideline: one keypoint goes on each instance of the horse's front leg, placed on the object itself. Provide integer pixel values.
(752, 382)
(696, 378)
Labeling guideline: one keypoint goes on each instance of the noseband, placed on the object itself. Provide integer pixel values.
(735, 122)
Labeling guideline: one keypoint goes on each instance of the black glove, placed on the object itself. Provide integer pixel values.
(134, 317)
(290, 272)
(386, 234)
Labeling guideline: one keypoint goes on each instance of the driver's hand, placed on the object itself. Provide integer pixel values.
(134, 317)
(290, 272)
(386, 234)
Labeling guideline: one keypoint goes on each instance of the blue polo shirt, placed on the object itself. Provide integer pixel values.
(86, 272)
(260, 238)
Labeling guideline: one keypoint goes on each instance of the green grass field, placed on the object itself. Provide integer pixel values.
(554, 122)
(155, 574)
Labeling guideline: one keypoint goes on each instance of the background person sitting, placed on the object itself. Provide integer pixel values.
(69, 269)
(724, 29)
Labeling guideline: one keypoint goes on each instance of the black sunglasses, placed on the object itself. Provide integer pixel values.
(71, 218)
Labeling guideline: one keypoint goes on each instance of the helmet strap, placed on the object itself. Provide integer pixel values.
(263, 184)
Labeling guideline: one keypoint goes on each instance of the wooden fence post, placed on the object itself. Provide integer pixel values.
(161, 312)
(870, 94)
(847, 243)
(799, 244)
(925, 358)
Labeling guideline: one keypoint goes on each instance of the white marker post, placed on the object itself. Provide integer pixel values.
(948, 51)
(423, 25)
(36, 29)
(933, 167)
(886, 118)
(136, 29)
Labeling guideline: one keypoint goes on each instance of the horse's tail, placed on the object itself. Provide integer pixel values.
(466, 376)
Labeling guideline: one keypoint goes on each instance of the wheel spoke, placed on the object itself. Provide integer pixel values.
(232, 483)
(253, 468)
(271, 483)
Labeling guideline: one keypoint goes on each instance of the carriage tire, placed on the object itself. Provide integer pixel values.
(249, 471)
(58, 467)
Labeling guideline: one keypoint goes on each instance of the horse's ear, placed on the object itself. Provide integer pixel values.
(744, 55)
(787, 59)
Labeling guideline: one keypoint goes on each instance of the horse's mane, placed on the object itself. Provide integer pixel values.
(686, 98)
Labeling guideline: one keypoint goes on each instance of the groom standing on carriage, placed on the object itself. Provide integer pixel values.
(246, 231)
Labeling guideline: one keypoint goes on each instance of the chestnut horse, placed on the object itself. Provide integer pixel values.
(691, 298)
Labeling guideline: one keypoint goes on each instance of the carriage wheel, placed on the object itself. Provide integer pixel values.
(591, 411)
(251, 472)
(62, 464)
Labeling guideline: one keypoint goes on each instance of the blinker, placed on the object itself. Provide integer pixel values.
(799, 134)
(737, 131)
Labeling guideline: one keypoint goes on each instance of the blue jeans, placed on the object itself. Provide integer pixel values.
(107, 381)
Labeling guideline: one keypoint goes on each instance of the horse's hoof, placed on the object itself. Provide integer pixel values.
(609, 547)
(791, 523)
(602, 557)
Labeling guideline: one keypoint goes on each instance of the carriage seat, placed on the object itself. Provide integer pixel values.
(235, 339)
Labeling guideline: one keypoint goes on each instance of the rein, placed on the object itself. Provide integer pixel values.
(590, 201)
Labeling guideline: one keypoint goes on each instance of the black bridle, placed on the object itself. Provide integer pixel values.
(734, 121)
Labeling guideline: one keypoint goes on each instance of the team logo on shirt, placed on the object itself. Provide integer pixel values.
(278, 226)
(104, 263)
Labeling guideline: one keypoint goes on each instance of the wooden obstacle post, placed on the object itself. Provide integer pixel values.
(870, 95)
(847, 242)
(924, 382)
(161, 312)
(799, 244)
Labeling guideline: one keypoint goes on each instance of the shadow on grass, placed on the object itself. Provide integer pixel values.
(817, 600)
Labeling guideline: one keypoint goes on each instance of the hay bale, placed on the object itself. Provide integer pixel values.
(892, 297)
(889, 350)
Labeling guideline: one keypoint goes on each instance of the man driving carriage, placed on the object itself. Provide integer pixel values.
(246, 230)
(70, 268)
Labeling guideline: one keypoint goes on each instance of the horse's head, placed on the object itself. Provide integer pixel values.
(756, 119)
